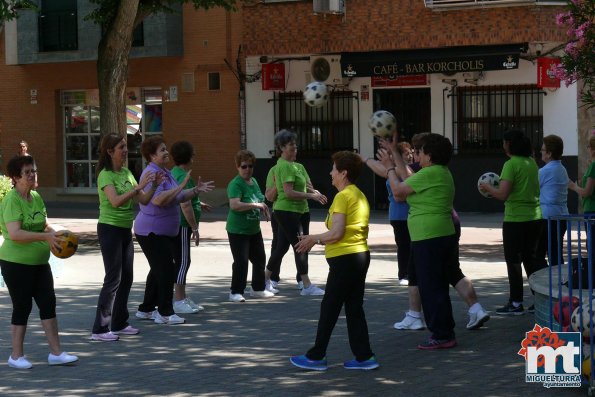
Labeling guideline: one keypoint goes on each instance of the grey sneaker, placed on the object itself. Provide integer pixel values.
(184, 307)
(170, 320)
(145, 315)
(268, 286)
(312, 290)
(410, 322)
(300, 285)
(476, 320)
(194, 305)
(236, 297)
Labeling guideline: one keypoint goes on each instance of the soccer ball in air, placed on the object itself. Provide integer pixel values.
(568, 305)
(316, 94)
(68, 246)
(491, 179)
(582, 319)
(382, 124)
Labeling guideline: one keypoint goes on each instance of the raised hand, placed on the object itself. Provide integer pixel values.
(204, 186)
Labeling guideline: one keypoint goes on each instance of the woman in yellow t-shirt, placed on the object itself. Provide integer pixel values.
(346, 251)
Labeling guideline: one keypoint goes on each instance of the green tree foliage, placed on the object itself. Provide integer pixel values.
(9, 8)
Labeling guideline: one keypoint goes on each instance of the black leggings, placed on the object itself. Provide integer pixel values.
(290, 225)
(29, 281)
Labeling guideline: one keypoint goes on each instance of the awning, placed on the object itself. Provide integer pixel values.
(447, 60)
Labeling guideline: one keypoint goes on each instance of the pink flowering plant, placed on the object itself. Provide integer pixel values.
(578, 61)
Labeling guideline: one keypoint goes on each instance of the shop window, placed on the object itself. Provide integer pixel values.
(214, 81)
(321, 131)
(482, 114)
(58, 26)
(82, 134)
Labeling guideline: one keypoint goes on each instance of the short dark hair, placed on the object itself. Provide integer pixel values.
(150, 145)
(182, 152)
(108, 142)
(417, 140)
(350, 162)
(554, 145)
(244, 155)
(518, 143)
(284, 137)
(438, 148)
(16, 164)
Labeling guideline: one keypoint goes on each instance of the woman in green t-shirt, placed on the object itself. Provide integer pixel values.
(587, 186)
(117, 189)
(24, 259)
(294, 189)
(246, 204)
(519, 189)
(429, 193)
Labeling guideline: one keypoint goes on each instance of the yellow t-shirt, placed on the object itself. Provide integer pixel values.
(353, 204)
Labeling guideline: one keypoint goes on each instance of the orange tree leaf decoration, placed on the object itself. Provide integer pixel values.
(539, 337)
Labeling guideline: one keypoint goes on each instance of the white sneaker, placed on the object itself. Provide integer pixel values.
(410, 322)
(404, 282)
(170, 320)
(145, 315)
(262, 294)
(236, 298)
(184, 307)
(268, 286)
(194, 305)
(63, 358)
(312, 290)
(275, 284)
(300, 285)
(476, 320)
(19, 363)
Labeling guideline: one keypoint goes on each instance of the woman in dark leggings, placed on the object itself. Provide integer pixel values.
(290, 209)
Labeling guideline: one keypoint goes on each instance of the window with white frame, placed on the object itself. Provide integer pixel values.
(82, 133)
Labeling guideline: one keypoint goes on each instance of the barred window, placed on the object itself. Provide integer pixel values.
(321, 131)
(482, 114)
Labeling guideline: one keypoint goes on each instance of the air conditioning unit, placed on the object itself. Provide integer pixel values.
(329, 6)
(326, 69)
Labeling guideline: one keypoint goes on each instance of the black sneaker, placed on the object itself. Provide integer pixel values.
(531, 309)
(510, 310)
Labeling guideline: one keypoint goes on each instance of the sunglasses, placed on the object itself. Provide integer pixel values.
(244, 166)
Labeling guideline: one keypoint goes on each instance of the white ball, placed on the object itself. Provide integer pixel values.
(584, 319)
(316, 94)
(382, 124)
(491, 179)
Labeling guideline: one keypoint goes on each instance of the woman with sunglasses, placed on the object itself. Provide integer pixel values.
(24, 257)
(294, 189)
(246, 205)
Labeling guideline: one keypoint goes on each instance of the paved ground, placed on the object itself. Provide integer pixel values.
(234, 349)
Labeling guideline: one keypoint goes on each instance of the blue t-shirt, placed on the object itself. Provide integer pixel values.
(553, 189)
(397, 210)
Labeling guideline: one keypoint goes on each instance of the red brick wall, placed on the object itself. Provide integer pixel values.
(292, 28)
(208, 119)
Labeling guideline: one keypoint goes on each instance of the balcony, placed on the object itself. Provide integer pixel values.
(441, 5)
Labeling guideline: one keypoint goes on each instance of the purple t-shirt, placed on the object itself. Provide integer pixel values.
(161, 220)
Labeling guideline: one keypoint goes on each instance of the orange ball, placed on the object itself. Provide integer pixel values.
(68, 245)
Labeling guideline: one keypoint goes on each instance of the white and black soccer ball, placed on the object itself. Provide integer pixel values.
(316, 94)
(582, 319)
(382, 124)
(491, 179)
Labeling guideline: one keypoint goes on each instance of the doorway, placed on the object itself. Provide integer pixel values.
(412, 109)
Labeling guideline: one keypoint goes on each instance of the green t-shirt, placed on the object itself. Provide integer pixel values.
(353, 204)
(430, 207)
(179, 174)
(286, 172)
(522, 204)
(244, 222)
(589, 202)
(122, 181)
(270, 182)
(32, 215)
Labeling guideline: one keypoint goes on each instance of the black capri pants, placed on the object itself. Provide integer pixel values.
(25, 282)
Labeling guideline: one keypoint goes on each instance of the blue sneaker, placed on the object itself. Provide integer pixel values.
(370, 363)
(305, 363)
